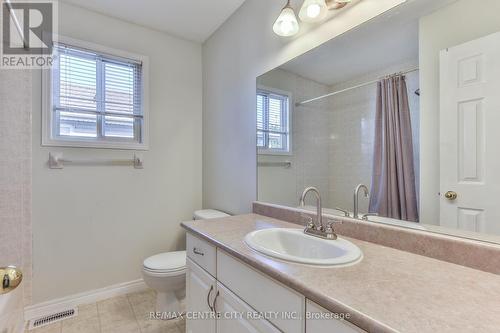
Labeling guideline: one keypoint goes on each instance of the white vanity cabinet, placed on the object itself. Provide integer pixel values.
(246, 300)
(320, 320)
(201, 289)
(235, 315)
(205, 297)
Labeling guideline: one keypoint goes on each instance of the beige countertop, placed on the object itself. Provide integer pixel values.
(388, 291)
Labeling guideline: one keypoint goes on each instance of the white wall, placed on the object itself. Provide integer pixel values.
(93, 225)
(309, 139)
(243, 48)
(455, 24)
(15, 191)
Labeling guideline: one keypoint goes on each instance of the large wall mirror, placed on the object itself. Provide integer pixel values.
(407, 105)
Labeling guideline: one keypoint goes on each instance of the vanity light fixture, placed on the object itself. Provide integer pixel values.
(311, 11)
(286, 24)
(337, 4)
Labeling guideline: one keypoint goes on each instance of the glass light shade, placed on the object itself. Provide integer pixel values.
(286, 24)
(313, 10)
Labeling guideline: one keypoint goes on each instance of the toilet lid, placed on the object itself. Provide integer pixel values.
(168, 261)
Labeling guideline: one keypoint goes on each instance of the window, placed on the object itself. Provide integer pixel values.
(95, 99)
(273, 118)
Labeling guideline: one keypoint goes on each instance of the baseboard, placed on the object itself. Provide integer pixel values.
(92, 296)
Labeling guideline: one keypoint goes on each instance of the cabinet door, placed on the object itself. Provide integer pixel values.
(262, 293)
(235, 315)
(200, 291)
(315, 323)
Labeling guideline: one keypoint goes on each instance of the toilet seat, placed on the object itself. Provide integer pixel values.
(168, 263)
(161, 274)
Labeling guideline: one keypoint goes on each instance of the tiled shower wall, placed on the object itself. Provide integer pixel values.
(15, 173)
(309, 143)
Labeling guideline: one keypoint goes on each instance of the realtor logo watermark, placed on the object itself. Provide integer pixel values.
(29, 28)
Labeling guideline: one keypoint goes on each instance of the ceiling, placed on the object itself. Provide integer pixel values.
(194, 20)
(357, 54)
(384, 42)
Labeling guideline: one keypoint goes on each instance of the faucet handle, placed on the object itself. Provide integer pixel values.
(333, 221)
(329, 231)
(309, 220)
(365, 216)
(346, 212)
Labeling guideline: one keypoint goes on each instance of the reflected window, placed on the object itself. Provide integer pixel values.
(273, 118)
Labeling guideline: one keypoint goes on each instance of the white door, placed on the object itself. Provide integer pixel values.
(200, 294)
(234, 315)
(470, 135)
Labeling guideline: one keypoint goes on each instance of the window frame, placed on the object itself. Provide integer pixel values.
(274, 151)
(48, 119)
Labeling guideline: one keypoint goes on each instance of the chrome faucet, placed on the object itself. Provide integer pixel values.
(319, 210)
(318, 229)
(356, 198)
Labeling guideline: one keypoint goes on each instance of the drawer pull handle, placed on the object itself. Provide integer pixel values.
(198, 252)
(208, 298)
(214, 309)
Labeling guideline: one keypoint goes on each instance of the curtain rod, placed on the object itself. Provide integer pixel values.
(353, 87)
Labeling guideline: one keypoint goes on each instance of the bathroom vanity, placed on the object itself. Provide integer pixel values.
(389, 290)
(245, 299)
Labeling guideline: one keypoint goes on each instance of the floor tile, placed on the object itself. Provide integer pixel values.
(87, 311)
(182, 326)
(123, 314)
(82, 325)
(116, 315)
(143, 304)
(52, 328)
(159, 326)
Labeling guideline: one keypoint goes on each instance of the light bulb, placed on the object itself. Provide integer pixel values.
(286, 24)
(313, 10)
(286, 27)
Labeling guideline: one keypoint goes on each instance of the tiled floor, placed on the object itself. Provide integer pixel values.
(123, 314)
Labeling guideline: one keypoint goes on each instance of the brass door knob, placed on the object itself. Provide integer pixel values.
(10, 278)
(450, 195)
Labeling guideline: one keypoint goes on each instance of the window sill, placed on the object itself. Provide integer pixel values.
(95, 144)
(273, 152)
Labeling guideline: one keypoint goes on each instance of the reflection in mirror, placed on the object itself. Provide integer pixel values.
(401, 105)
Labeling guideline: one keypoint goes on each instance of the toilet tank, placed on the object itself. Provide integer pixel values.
(206, 214)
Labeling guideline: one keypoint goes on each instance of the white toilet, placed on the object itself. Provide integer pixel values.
(166, 272)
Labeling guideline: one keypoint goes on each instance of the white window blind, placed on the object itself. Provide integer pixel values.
(96, 97)
(272, 121)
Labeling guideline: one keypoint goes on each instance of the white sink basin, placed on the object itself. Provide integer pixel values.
(295, 246)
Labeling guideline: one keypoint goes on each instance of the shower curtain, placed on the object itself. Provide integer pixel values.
(393, 192)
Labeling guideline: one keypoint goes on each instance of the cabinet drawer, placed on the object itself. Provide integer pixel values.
(235, 315)
(285, 306)
(202, 253)
(315, 323)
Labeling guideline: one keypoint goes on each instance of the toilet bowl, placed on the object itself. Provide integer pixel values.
(166, 273)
